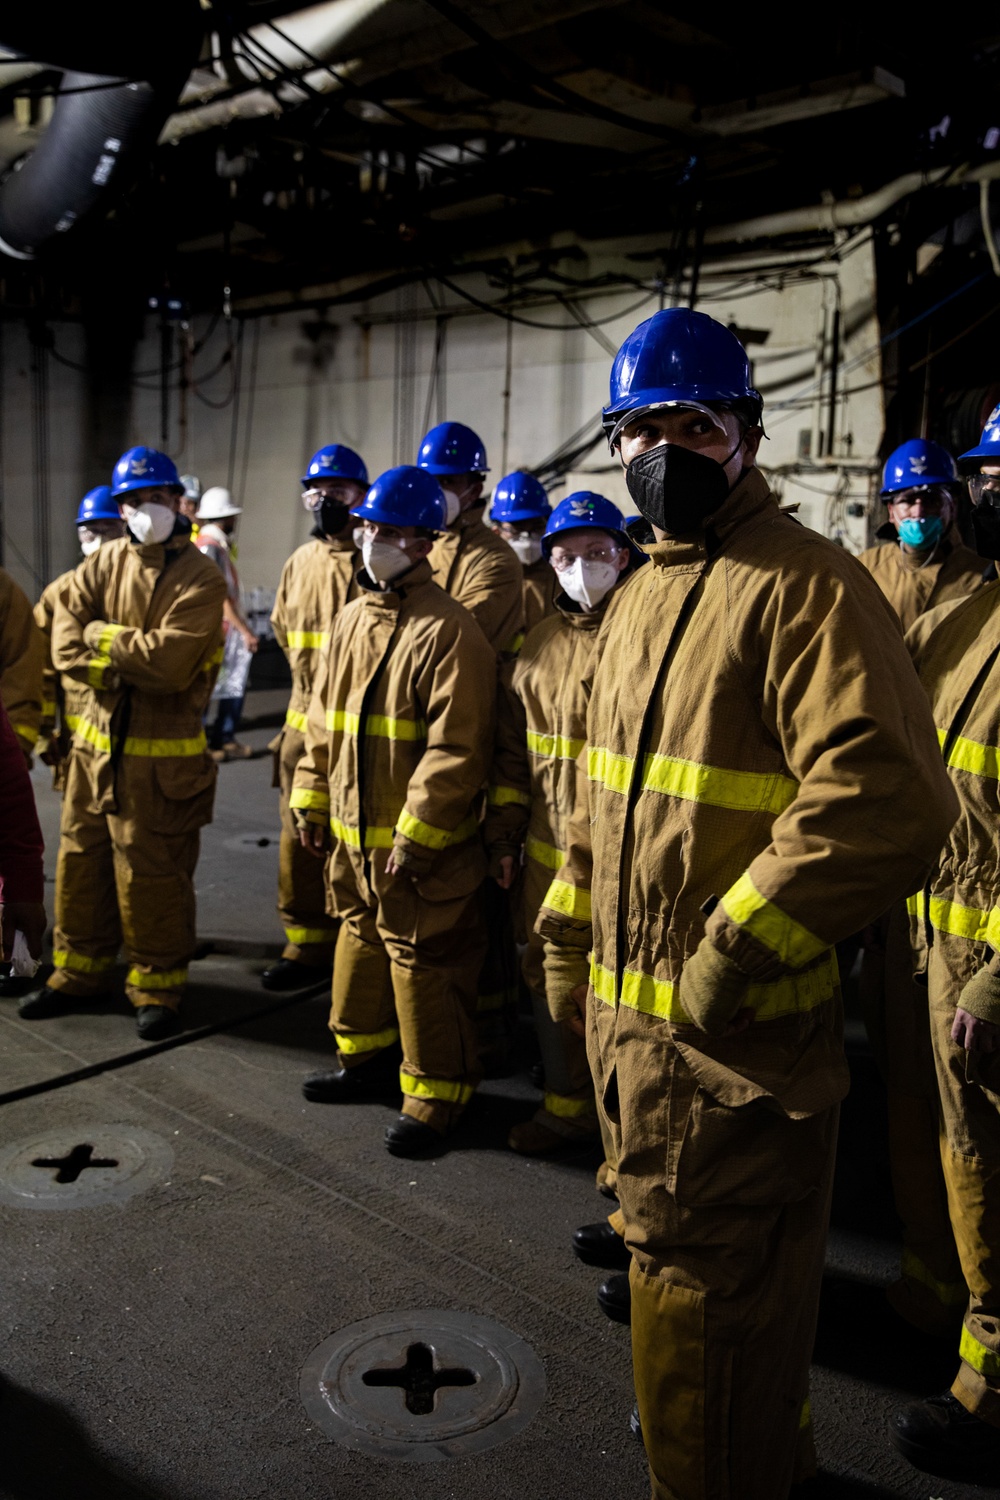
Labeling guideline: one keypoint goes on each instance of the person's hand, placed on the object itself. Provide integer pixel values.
(740, 1021)
(312, 837)
(250, 640)
(508, 869)
(28, 917)
(974, 1035)
(391, 867)
(579, 999)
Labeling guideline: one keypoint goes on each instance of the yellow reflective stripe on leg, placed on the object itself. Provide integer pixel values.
(307, 640)
(214, 660)
(985, 1361)
(380, 726)
(105, 638)
(544, 854)
(950, 1293)
(805, 1415)
(555, 746)
(375, 838)
(790, 995)
(26, 732)
(794, 944)
(504, 796)
(431, 837)
(970, 755)
(443, 1089)
(80, 963)
(302, 935)
(48, 708)
(614, 772)
(308, 797)
(565, 1108)
(514, 645)
(571, 900)
(740, 791)
(362, 1041)
(295, 720)
(163, 979)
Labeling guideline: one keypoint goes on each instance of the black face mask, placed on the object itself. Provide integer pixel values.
(986, 531)
(332, 517)
(677, 489)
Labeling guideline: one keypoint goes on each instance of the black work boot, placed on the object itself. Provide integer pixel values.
(13, 986)
(940, 1437)
(289, 974)
(614, 1297)
(41, 1004)
(375, 1079)
(407, 1136)
(155, 1023)
(598, 1245)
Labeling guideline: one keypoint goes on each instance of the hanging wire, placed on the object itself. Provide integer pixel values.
(251, 397)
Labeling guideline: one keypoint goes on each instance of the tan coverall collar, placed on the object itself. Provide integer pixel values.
(403, 587)
(749, 500)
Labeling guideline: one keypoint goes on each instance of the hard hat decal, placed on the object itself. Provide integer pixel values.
(138, 466)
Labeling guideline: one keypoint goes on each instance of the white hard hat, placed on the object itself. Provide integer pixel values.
(217, 504)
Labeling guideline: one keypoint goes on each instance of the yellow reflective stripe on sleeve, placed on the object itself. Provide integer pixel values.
(436, 1088)
(307, 640)
(371, 1041)
(48, 707)
(497, 999)
(375, 838)
(805, 1415)
(305, 797)
(26, 732)
(80, 963)
(96, 668)
(504, 796)
(986, 1361)
(794, 944)
(164, 979)
(135, 745)
(960, 921)
(571, 900)
(565, 1108)
(431, 837)
(302, 935)
(556, 746)
(949, 1293)
(214, 660)
(105, 638)
(740, 791)
(544, 854)
(970, 755)
(296, 720)
(791, 995)
(613, 771)
(377, 725)
(514, 645)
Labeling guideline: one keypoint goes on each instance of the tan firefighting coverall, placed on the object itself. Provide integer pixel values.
(316, 583)
(538, 589)
(541, 727)
(912, 586)
(957, 915)
(398, 743)
(22, 661)
(481, 571)
(756, 739)
(61, 698)
(140, 629)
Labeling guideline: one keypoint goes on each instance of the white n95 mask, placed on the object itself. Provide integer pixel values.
(588, 582)
(527, 548)
(452, 506)
(151, 522)
(89, 543)
(384, 561)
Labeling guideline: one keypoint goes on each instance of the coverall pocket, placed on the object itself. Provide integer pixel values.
(753, 1156)
(185, 794)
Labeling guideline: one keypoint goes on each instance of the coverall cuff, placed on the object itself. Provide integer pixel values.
(981, 997)
(756, 961)
(712, 988)
(304, 817)
(414, 859)
(565, 970)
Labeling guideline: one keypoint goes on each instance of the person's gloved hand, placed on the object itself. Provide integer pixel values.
(566, 971)
(408, 858)
(712, 990)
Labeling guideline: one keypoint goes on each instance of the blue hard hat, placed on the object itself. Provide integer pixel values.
(336, 461)
(584, 508)
(141, 468)
(520, 497)
(97, 505)
(405, 496)
(915, 464)
(450, 448)
(681, 356)
(988, 447)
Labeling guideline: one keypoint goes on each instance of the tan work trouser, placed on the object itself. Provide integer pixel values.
(726, 1209)
(568, 1108)
(124, 881)
(310, 932)
(931, 1292)
(969, 1084)
(406, 964)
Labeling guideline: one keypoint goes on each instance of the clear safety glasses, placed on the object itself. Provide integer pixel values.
(597, 554)
(985, 489)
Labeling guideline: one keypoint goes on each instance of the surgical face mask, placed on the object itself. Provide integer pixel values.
(453, 506)
(588, 582)
(151, 522)
(920, 532)
(384, 561)
(677, 489)
(89, 543)
(527, 548)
